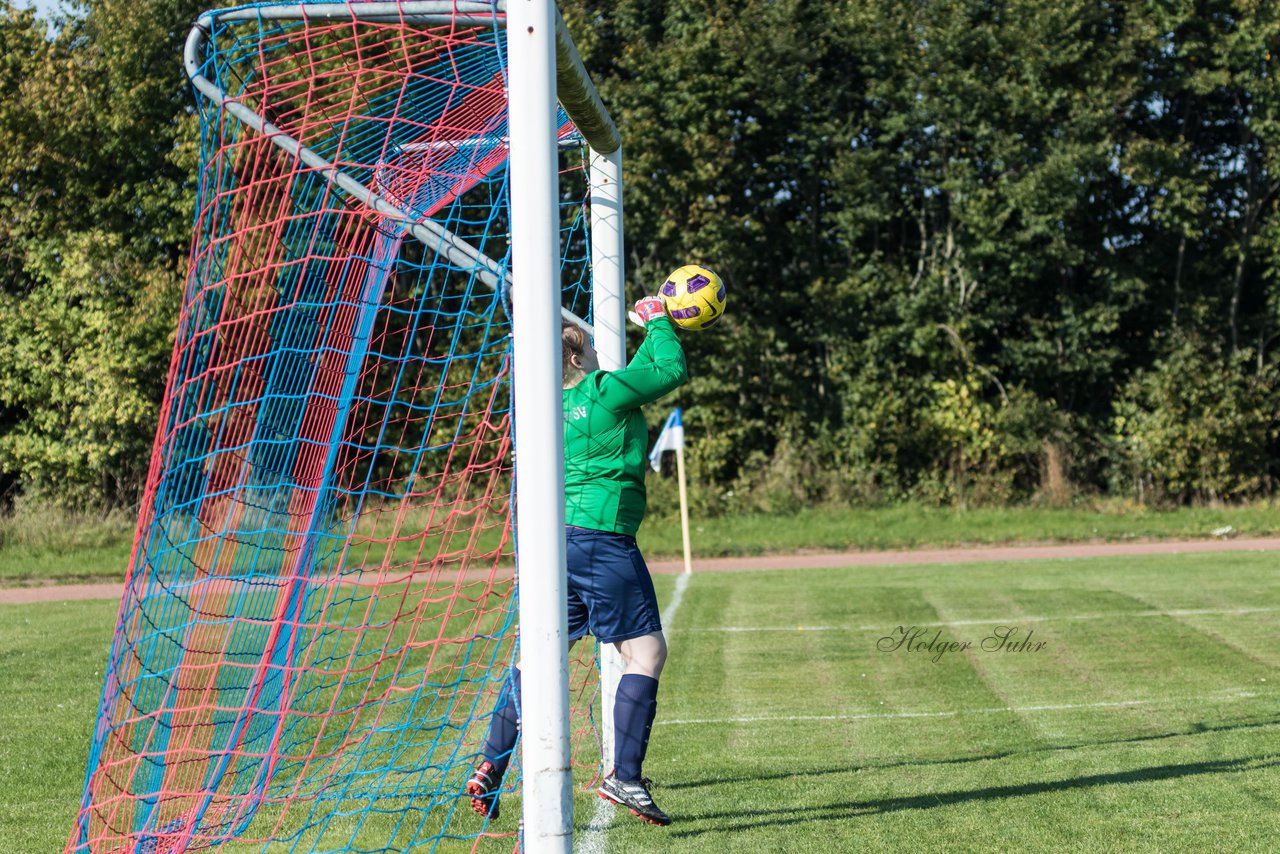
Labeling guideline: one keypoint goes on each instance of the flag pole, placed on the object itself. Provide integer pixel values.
(684, 511)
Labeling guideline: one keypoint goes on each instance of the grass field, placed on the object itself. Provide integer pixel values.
(68, 550)
(795, 717)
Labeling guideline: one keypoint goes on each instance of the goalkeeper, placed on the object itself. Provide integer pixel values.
(610, 591)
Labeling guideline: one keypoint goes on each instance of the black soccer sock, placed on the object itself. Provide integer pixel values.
(504, 726)
(635, 705)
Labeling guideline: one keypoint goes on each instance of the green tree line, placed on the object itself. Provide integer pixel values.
(977, 251)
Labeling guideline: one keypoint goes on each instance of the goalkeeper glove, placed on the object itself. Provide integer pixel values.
(650, 307)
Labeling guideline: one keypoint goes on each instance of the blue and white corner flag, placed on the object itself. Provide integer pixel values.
(670, 439)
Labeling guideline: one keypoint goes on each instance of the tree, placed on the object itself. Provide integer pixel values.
(96, 148)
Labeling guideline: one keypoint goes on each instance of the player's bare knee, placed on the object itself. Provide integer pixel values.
(660, 654)
(644, 655)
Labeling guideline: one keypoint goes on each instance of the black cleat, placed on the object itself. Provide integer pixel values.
(483, 788)
(634, 795)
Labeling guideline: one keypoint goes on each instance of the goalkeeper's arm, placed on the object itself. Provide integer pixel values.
(657, 369)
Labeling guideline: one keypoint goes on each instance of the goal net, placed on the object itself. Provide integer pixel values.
(320, 605)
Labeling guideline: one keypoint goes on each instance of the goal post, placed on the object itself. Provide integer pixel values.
(540, 540)
(399, 204)
(549, 70)
(609, 312)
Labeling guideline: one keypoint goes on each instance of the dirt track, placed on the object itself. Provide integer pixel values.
(816, 560)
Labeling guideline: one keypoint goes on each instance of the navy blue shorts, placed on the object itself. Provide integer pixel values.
(610, 591)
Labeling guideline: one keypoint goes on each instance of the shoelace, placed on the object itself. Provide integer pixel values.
(642, 794)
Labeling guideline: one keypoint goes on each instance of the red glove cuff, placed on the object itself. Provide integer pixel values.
(650, 307)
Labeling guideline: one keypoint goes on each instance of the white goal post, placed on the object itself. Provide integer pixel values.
(542, 61)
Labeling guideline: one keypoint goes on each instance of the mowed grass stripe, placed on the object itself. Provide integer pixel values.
(1030, 665)
(1138, 734)
(1193, 763)
(1253, 638)
(1101, 659)
(841, 673)
(1221, 696)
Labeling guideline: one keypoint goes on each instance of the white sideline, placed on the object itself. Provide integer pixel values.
(1224, 695)
(677, 595)
(593, 839)
(1113, 615)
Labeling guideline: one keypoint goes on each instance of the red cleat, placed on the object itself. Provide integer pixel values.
(483, 788)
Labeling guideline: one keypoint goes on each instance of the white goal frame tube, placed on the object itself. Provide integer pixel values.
(608, 297)
(547, 801)
(609, 318)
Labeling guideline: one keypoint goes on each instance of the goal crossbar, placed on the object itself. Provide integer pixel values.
(577, 95)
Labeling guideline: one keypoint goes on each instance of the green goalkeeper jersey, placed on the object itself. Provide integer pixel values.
(605, 437)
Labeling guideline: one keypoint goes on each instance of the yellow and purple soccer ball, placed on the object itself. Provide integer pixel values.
(694, 296)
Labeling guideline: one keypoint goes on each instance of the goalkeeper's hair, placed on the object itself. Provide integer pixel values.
(574, 340)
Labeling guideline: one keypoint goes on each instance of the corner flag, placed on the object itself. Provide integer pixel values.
(670, 439)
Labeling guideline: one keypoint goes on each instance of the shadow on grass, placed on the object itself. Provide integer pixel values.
(1191, 730)
(842, 811)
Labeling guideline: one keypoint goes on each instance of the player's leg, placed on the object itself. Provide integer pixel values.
(615, 582)
(634, 708)
(645, 655)
(636, 702)
(485, 784)
(499, 743)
